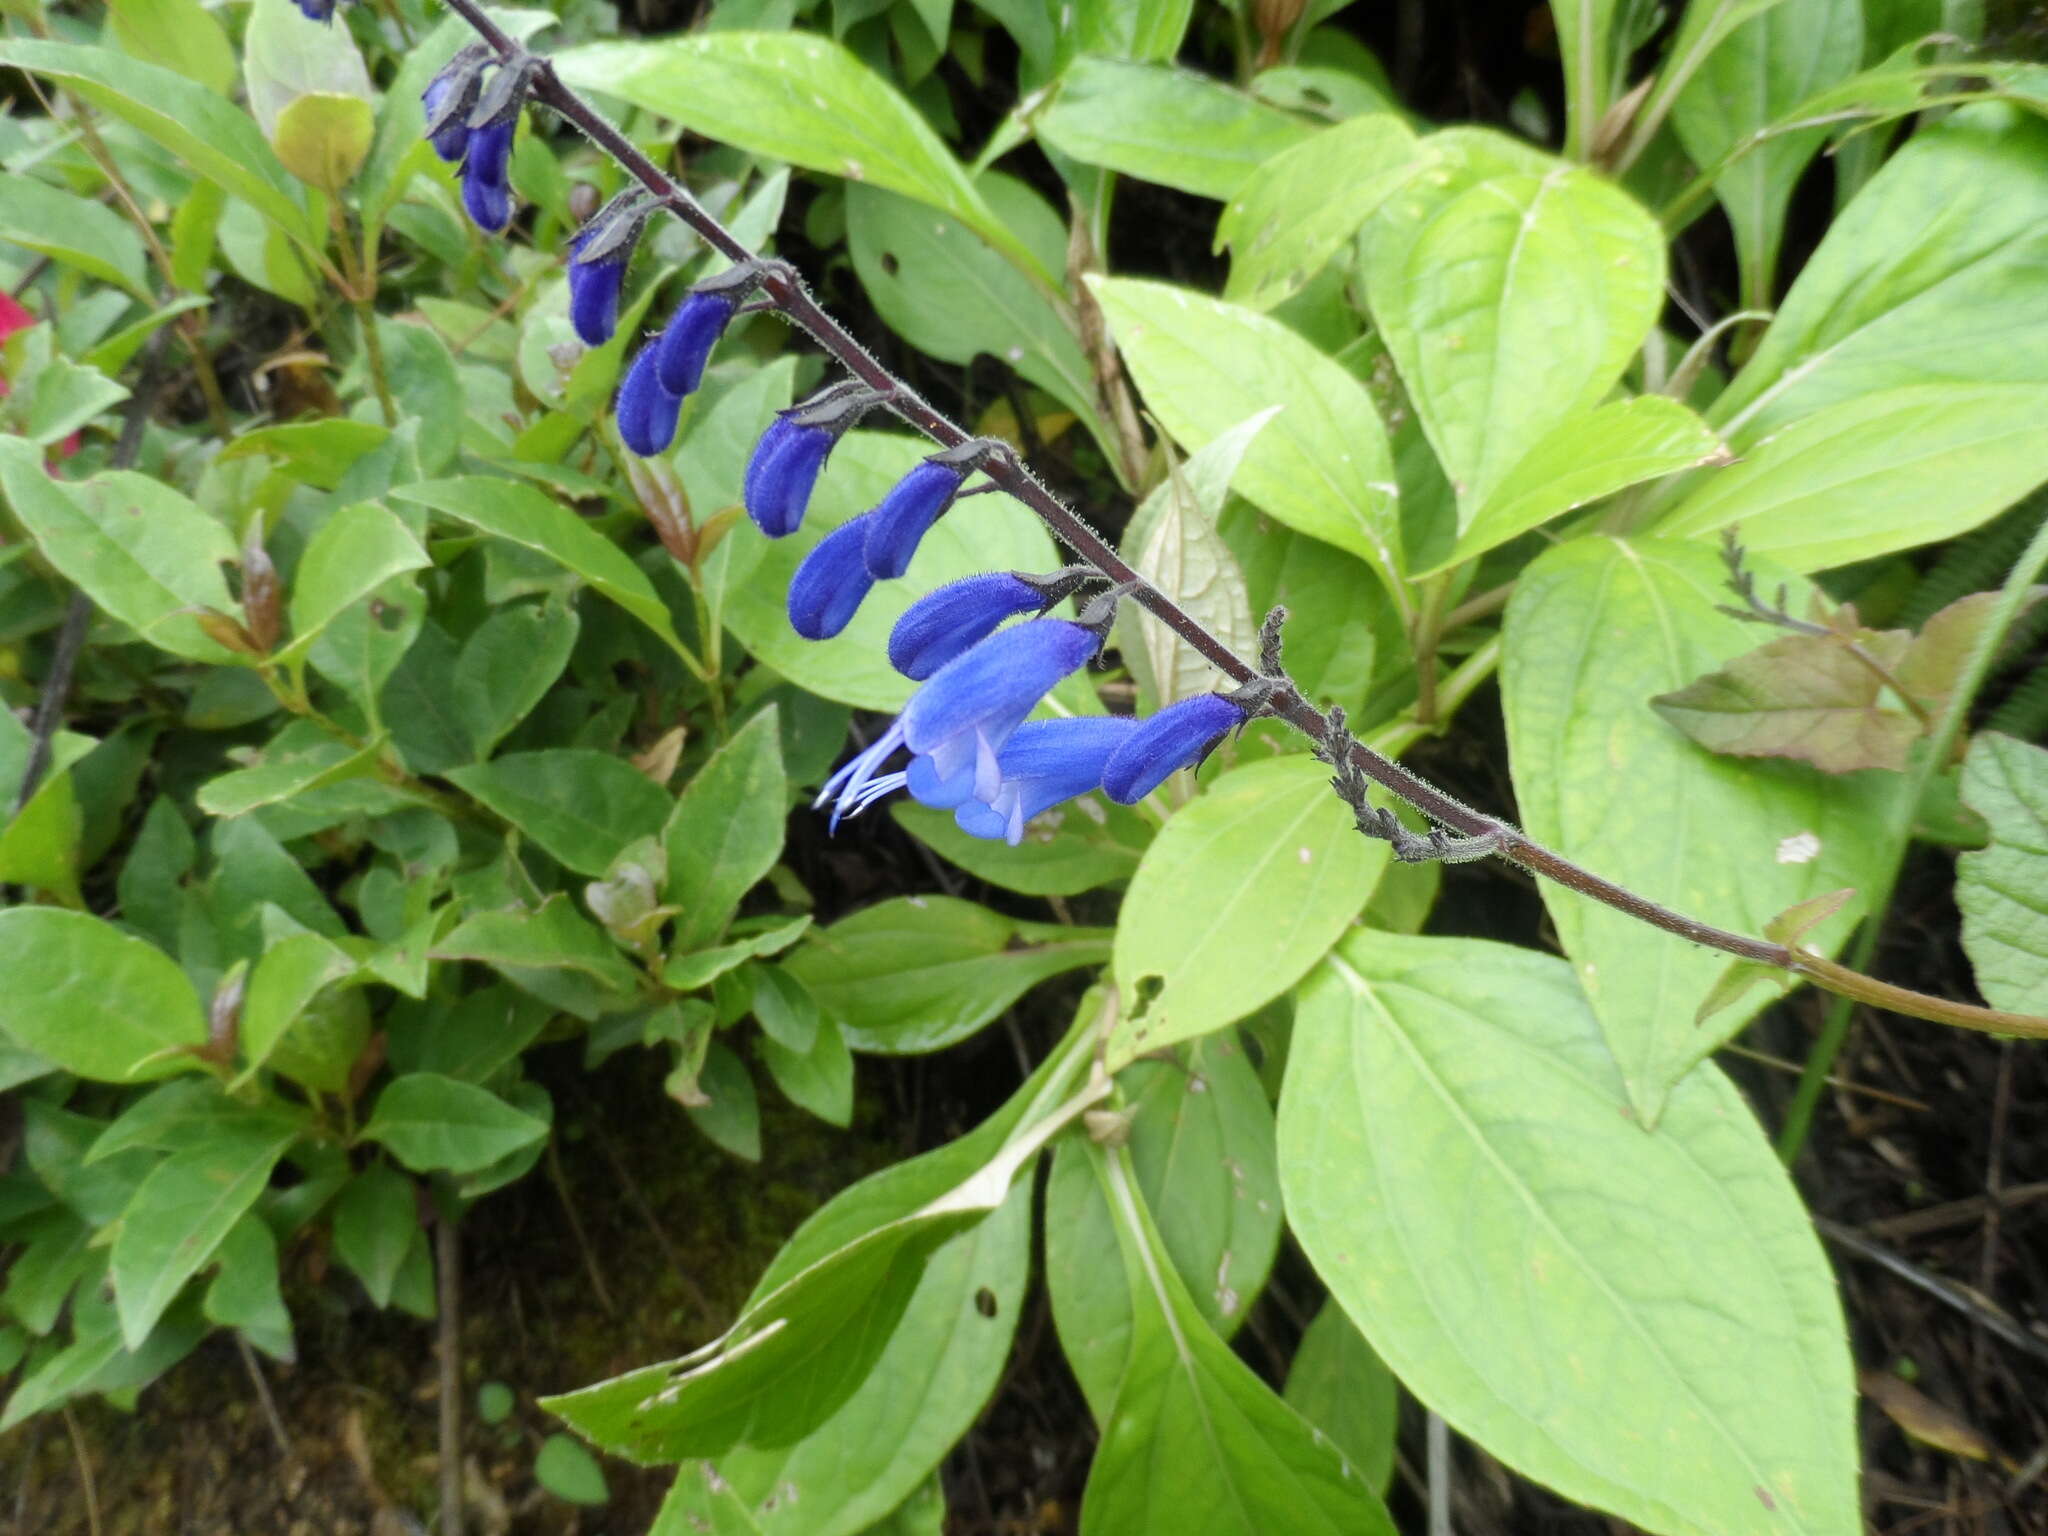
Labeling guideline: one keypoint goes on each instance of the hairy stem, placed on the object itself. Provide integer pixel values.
(783, 289)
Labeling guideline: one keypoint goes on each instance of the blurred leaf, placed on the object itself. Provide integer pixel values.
(137, 548)
(90, 999)
(1441, 1087)
(287, 56)
(1342, 1387)
(189, 1111)
(570, 1472)
(1205, 366)
(431, 1122)
(583, 807)
(921, 972)
(1305, 203)
(179, 1217)
(76, 231)
(180, 34)
(244, 1293)
(1266, 845)
(798, 97)
(725, 832)
(200, 126)
(1596, 628)
(1165, 125)
(322, 138)
(1998, 888)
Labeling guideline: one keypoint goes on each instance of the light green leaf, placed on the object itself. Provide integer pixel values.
(287, 55)
(1584, 458)
(1305, 203)
(76, 231)
(798, 97)
(1266, 849)
(180, 34)
(1322, 466)
(982, 534)
(285, 774)
(139, 549)
(570, 1472)
(1937, 272)
(178, 1218)
(551, 937)
(1878, 473)
(1071, 848)
(1195, 1441)
(920, 972)
(1998, 888)
(189, 1111)
(1596, 629)
(1330, 600)
(1511, 303)
(200, 126)
(725, 832)
(283, 982)
(323, 137)
(507, 666)
(1340, 1384)
(1759, 73)
(1647, 1324)
(507, 509)
(583, 807)
(90, 999)
(430, 1122)
(319, 453)
(1165, 125)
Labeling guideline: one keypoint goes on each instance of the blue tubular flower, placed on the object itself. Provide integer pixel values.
(967, 711)
(594, 294)
(647, 412)
(1043, 763)
(946, 621)
(692, 331)
(828, 587)
(913, 504)
(793, 450)
(317, 10)
(486, 189)
(1177, 736)
(450, 97)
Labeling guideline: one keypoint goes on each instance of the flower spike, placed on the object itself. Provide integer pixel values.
(647, 412)
(1177, 736)
(828, 587)
(917, 501)
(793, 450)
(948, 620)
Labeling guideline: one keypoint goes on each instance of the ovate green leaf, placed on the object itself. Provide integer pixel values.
(1999, 888)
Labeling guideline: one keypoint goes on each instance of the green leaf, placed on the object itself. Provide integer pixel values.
(921, 972)
(798, 97)
(178, 1218)
(376, 1224)
(1172, 540)
(90, 999)
(1937, 272)
(286, 774)
(470, 1037)
(989, 533)
(509, 510)
(1201, 1148)
(288, 57)
(1267, 849)
(1999, 887)
(1072, 848)
(179, 34)
(1511, 303)
(950, 296)
(431, 1122)
(1595, 629)
(245, 1294)
(507, 666)
(76, 231)
(1195, 1441)
(1330, 599)
(322, 138)
(1165, 125)
(725, 832)
(687, 972)
(784, 1008)
(318, 453)
(282, 985)
(1874, 474)
(570, 1472)
(200, 126)
(1758, 75)
(1584, 458)
(370, 646)
(1649, 1326)
(1305, 203)
(819, 1078)
(552, 936)
(583, 807)
(1322, 466)
(189, 1111)
(358, 549)
(1339, 1384)
(139, 549)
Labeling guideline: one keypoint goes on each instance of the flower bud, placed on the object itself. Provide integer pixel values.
(1178, 736)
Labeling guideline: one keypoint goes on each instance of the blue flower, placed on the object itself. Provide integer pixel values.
(1043, 763)
(946, 621)
(449, 98)
(828, 587)
(1175, 737)
(594, 287)
(317, 10)
(692, 331)
(647, 412)
(913, 504)
(486, 189)
(781, 474)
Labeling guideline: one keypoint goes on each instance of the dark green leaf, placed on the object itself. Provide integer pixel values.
(433, 1122)
(726, 830)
